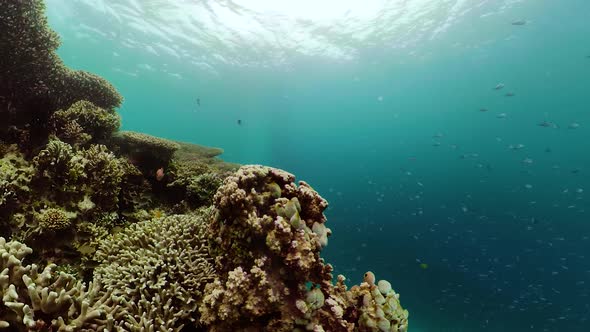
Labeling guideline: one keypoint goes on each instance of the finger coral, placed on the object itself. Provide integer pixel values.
(35, 299)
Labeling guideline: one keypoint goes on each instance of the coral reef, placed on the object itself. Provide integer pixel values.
(149, 151)
(195, 174)
(167, 236)
(43, 300)
(15, 178)
(267, 236)
(72, 176)
(34, 82)
(84, 122)
(159, 269)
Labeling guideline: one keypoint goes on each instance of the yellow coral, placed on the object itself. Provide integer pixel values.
(54, 219)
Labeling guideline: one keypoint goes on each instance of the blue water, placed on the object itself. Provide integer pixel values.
(384, 121)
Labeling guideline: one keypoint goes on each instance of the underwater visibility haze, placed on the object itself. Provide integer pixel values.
(450, 139)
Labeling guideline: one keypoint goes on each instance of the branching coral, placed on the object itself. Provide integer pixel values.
(195, 173)
(250, 263)
(158, 268)
(30, 67)
(69, 176)
(60, 170)
(104, 173)
(42, 300)
(34, 82)
(15, 177)
(83, 122)
(54, 220)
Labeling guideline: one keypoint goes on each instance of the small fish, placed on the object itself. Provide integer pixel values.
(501, 116)
(516, 147)
(499, 86)
(518, 22)
(527, 161)
(199, 101)
(573, 125)
(547, 124)
(510, 94)
(239, 122)
(160, 174)
(483, 109)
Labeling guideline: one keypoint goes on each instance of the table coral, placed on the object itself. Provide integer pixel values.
(147, 152)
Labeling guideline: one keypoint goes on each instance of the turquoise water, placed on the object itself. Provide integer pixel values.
(379, 109)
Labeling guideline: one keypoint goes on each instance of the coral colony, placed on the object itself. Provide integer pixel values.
(109, 230)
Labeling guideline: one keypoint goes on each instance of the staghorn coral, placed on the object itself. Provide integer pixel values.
(84, 122)
(158, 268)
(34, 82)
(43, 300)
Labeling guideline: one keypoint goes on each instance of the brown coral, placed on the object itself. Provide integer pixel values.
(267, 235)
(267, 251)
